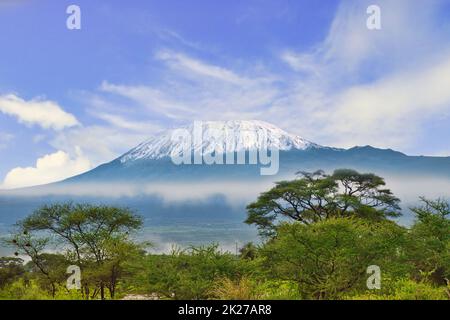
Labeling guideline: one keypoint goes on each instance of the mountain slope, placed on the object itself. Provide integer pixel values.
(207, 192)
(151, 160)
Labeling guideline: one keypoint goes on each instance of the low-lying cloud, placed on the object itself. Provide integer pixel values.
(49, 168)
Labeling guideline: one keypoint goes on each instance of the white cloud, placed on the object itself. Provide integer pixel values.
(100, 143)
(39, 138)
(121, 122)
(175, 37)
(183, 62)
(301, 62)
(195, 90)
(392, 108)
(152, 99)
(5, 139)
(47, 114)
(50, 168)
(115, 128)
(370, 87)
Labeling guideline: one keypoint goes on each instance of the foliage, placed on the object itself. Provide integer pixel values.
(315, 197)
(251, 288)
(95, 238)
(405, 289)
(329, 258)
(240, 289)
(189, 273)
(248, 251)
(23, 289)
(429, 245)
(10, 270)
(320, 233)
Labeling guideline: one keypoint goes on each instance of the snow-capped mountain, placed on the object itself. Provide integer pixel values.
(152, 161)
(139, 177)
(219, 136)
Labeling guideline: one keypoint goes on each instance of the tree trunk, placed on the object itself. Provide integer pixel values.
(53, 290)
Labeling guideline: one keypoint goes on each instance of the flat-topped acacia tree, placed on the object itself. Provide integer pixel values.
(315, 197)
(96, 238)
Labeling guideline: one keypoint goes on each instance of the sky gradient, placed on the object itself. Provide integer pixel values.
(73, 99)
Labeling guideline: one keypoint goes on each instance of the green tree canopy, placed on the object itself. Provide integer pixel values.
(96, 238)
(329, 258)
(429, 245)
(315, 197)
(10, 269)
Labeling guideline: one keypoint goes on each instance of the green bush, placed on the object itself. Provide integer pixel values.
(192, 273)
(405, 289)
(429, 241)
(329, 258)
(24, 290)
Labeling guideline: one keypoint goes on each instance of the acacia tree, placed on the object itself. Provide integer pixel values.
(33, 246)
(96, 238)
(429, 241)
(328, 259)
(315, 197)
(11, 268)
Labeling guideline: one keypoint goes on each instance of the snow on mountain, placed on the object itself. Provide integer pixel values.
(219, 136)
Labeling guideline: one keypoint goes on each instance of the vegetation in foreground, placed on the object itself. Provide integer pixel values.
(319, 234)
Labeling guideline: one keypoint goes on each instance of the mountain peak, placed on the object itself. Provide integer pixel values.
(221, 136)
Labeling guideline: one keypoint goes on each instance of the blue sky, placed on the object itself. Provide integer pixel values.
(72, 99)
